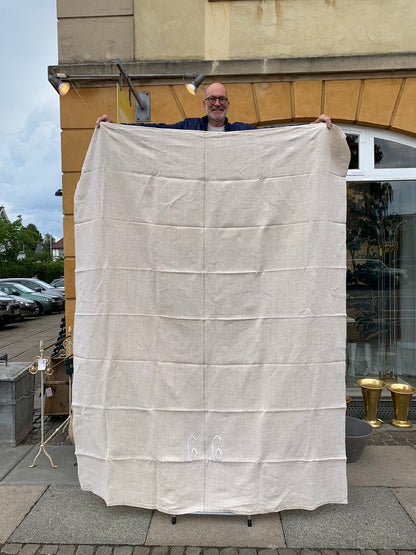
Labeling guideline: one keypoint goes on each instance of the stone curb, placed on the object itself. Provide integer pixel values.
(37, 549)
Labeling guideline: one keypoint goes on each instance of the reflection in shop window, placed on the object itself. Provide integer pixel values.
(381, 284)
(353, 143)
(391, 154)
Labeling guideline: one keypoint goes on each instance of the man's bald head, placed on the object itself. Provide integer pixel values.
(216, 104)
(216, 89)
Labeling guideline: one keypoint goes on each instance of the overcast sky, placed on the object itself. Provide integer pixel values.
(30, 163)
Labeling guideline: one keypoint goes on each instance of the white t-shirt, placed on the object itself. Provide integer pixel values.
(212, 128)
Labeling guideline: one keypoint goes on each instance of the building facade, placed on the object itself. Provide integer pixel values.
(283, 61)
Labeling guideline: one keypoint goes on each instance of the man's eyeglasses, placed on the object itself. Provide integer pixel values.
(213, 99)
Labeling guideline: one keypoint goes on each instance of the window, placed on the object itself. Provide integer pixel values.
(381, 255)
(353, 143)
(391, 154)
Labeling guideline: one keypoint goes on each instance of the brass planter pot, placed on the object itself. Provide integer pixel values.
(402, 395)
(371, 391)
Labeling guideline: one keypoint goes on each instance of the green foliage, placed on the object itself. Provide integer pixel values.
(10, 237)
(368, 218)
(30, 237)
(47, 242)
(45, 270)
(49, 270)
(16, 238)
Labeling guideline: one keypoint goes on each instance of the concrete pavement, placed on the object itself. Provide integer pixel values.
(43, 510)
(20, 340)
(45, 506)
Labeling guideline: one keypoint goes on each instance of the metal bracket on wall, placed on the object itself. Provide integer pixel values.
(143, 111)
(142, 98)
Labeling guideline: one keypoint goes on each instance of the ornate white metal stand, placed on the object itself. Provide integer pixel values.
(42, 364)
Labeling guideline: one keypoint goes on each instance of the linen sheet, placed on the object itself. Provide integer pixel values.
(209, 334)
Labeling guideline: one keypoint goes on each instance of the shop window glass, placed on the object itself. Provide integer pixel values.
(353, 143)
(381, 279)
(391, 154)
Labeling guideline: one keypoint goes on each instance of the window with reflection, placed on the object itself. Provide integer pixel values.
(381, 278)
(391, 154)
(381, 255)
(353, 143)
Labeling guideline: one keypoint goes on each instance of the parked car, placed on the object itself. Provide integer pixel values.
(9, 310)
(45, 302)
(37, 285)
(374, 273)
(59, 283)
(28, 308)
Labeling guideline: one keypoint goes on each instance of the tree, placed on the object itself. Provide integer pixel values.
(10, 239)
(47, 243)
(14, 238)
(30, 238)
(368, 206)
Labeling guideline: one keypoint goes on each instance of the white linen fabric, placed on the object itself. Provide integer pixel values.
(209, 334)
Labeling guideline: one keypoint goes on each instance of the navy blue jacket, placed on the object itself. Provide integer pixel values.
(199, 124)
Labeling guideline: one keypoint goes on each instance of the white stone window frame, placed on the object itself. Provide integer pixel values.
(367, 171)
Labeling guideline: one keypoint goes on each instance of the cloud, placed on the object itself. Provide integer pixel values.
(30, 173)
(30, 154)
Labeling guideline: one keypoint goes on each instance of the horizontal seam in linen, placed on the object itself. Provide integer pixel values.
(205, 227)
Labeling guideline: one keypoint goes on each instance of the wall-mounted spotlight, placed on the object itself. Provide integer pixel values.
(192, 87)
(61, 87)
(58, 193)
(61, 83)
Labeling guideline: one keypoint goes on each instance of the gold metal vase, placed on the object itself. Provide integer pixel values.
(402, 395)
(371, 391)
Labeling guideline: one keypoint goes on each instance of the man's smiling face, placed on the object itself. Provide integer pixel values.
(216, 108)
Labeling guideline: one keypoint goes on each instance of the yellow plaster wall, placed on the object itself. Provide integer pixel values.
(169, 29)
(79, 110)
(74, 144)
(274, 101)
(307, 99)
(93, 8)
(378, 108)
(405, 117)
(385, 103)
(89, 39)
(341, 99)
(164, 104)
(69, 312)
(190, 105)
(217, 30)
(242, 105)
(304, 28)
(198, 29)
(69, 184)
(94, 30)
(80, 107)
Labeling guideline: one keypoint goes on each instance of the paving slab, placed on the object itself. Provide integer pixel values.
(381, 465)
(372, 519)
(15, 503)
(68, 515)
(407, 498)
(10, 456)
(216, 531)
(21, 340)
(43, 473)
